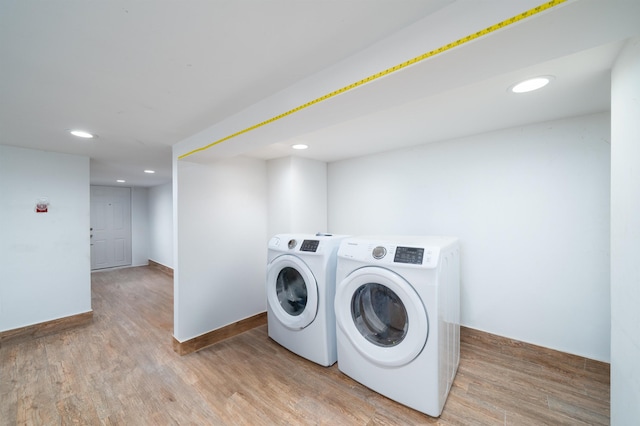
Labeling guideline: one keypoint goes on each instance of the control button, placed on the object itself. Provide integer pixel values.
(292, 244)
(379, 252)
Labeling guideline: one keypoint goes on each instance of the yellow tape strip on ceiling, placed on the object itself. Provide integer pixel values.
(388, 71)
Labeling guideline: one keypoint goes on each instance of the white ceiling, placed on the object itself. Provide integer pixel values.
(146, 74)
(580, 85)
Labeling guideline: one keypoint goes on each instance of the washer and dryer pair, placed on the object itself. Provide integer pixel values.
(386, 308)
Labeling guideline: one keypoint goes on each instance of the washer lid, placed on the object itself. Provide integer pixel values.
(292, 292)
(382, 316)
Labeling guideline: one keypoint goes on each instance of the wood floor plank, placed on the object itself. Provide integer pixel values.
(34, 387)
(122, 370)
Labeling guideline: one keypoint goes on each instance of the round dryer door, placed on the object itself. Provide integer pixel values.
(382, 316)
(292, 292)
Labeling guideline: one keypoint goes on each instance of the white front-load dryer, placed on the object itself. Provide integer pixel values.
(300, 290)
(397, 310)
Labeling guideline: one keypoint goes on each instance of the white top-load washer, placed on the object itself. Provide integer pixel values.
(300, 290)
(397, 309)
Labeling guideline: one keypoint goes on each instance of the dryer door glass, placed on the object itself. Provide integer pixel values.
(379, 315)
(291, 290)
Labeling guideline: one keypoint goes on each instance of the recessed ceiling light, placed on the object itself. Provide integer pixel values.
(149, 171)
(81, 134)
(121, 181)
(299, 146)
(531, 84)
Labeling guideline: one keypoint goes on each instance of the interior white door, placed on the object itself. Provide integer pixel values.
(110, 227)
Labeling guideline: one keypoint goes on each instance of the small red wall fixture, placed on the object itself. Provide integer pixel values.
(42, 205)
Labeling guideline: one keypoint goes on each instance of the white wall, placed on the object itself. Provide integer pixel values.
(44, 257)
(625, 236)
(531, 207)
(139, 226)
(161, 224)
(297, 196)
(221, 252)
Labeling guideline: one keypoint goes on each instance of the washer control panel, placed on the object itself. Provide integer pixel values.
(305, 244)
(310, 245)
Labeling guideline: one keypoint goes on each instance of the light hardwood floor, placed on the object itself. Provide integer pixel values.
(121, 369)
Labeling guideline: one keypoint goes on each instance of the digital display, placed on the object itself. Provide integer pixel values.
(309, 245)
(412, 255)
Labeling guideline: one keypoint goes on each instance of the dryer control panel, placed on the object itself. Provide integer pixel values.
(413, 255)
